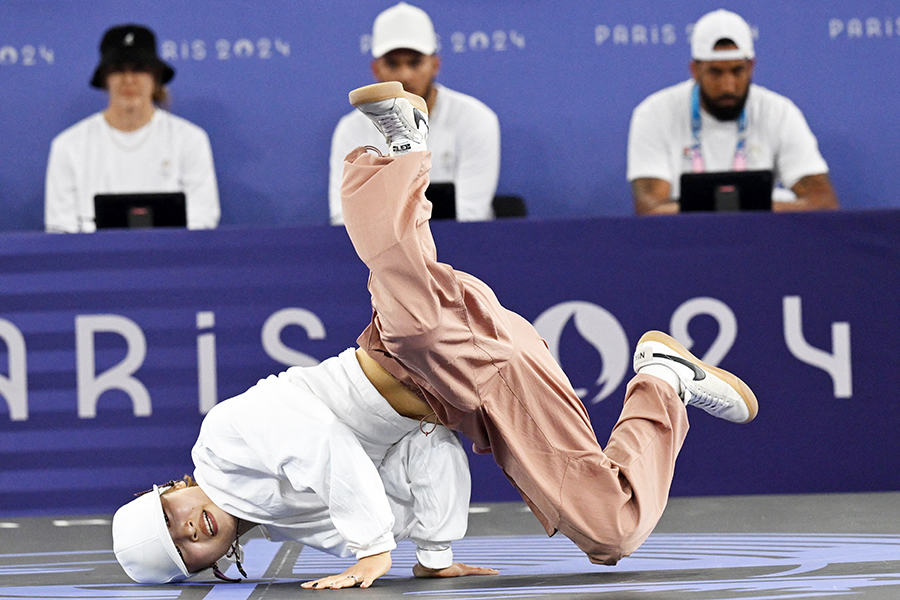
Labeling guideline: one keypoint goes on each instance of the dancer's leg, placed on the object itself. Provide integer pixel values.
(487, 373)
(463, 347)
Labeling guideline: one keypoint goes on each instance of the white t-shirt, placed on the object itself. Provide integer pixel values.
(464, 140)
(318, 456)
(778, 138)
(168, 154)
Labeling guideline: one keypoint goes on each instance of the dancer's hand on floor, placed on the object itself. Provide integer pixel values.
(363, 573)
(454, 570)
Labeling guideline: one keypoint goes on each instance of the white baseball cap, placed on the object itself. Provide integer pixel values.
(142, 543)
(403, 26)
(718, 25)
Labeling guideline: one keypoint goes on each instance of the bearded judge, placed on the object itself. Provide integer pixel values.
(719, 120)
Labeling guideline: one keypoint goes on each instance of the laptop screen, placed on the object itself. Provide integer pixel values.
(130, 211)
(726, 191)
(443, 200)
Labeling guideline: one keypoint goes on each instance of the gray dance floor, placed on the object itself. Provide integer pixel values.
(750, 547)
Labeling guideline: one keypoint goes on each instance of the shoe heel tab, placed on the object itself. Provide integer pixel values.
(642, 356)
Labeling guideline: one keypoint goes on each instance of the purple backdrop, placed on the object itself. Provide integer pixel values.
(803, 307)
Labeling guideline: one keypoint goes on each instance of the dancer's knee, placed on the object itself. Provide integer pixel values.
(604, 545)
(608, 552)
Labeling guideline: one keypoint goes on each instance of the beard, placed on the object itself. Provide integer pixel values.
(724, 112)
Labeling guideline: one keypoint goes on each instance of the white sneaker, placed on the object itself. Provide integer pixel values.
(400, 116)
(715, 390)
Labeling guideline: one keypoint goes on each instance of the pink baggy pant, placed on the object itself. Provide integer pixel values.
(486, 373)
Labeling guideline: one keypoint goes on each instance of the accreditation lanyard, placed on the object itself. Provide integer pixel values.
(740, 153)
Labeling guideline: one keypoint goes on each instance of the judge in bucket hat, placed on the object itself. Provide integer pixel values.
(131, 47)
(134, 145)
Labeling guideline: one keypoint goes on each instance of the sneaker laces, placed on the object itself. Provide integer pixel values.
(706, 401)
(392, 125)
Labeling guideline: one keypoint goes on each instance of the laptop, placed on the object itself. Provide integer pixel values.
(131, 211)
(443, 200)
(726, 191)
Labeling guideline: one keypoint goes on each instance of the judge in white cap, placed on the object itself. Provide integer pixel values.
(719, 120)
(464, 133)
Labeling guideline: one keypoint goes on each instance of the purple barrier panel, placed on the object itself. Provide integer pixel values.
(803, 307)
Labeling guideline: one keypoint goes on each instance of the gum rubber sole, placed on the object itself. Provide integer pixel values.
(385, 91)
(742, 388)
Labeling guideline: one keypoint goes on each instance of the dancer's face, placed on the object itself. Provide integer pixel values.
(202, 531)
